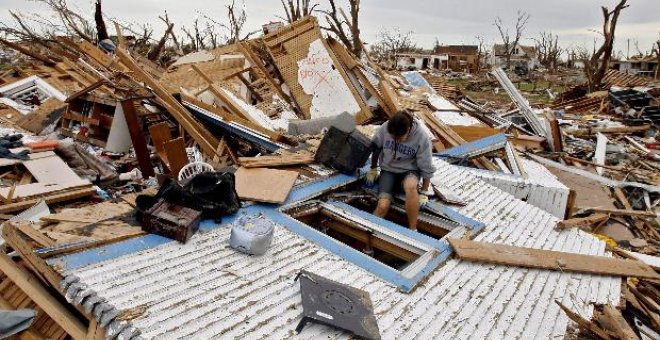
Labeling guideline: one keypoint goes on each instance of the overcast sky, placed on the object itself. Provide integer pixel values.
(450, 21)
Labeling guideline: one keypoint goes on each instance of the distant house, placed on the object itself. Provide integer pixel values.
(421, 61)
(526, 56)
(637, 65)
(462, 58)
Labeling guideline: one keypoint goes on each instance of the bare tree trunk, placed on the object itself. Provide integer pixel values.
(297, 10)
(155, 52)
(509, 44)
(599, 63)
(339, 23)
(101, 31)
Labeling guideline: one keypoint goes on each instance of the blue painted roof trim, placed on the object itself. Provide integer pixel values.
(347, 253)
(475, 148)
(472, 224)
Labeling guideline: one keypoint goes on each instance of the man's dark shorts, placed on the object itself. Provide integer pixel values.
(390, 183)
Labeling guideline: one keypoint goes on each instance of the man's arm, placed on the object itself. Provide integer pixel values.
(425, 164)
(375, 155)
(376, 146)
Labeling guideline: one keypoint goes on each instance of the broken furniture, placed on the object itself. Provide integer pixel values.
(97, 120)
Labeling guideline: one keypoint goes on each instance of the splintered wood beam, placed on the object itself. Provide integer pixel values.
(120, 37)
(86, 90)
(100, 57)
(624, 212)
(584, 323)
(550, 260)
(51, 198)
(137, 137)
(582, 221)
(196, 130)
(619, 324)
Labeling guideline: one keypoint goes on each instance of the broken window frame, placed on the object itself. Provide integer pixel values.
(8, 93)
(436, 251)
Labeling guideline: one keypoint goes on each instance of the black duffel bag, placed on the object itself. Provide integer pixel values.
(212, 193)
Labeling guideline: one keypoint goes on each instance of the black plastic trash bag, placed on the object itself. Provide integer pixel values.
(212, 193)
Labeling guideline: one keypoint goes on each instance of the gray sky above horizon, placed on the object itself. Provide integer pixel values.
(450, 21)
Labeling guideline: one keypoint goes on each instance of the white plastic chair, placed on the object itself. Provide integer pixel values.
(194, 168)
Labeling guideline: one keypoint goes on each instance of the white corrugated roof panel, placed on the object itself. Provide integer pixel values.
(204, 289)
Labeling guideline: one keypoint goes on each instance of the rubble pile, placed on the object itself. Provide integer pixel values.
(96, 144)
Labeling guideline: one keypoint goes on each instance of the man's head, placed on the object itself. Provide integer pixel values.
(399, 125)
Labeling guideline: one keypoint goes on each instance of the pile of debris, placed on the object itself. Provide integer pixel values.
(118, 155)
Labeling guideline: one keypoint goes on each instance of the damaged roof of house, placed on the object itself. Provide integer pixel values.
(204, 289)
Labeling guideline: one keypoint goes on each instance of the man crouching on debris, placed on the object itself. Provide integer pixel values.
(403, 148)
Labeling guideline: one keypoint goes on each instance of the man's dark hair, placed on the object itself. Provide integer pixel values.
(399, 124)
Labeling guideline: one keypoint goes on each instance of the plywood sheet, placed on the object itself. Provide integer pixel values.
(52, 170)
(589, 193)
(264, 185)
(551, 260)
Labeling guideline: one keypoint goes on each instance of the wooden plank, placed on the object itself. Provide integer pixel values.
(555, 131)
(279, 160)
(473, 132)
(35, 235)
(621, 196)
(244, 48)
(177, 157)
(121, 41)
(618, 323)
(100, 57)
(584, 323)
(220, 94)
(264, 185)
(17, 240)
(160, 133)
(51, 198)
(582, 221)
(95, 331)
(551, 260)
(623, 212)
(137, 138)
(38, 189)
(49, 304)
(85, 90)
